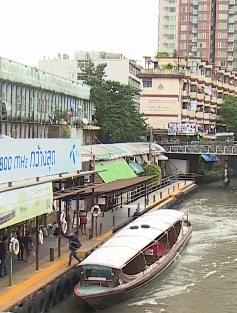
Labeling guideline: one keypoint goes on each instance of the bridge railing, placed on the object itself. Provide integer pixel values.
(202, 149)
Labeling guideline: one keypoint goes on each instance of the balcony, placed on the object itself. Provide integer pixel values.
(231, 11)
(194, 49)
(194, 30)
(195, 12)
(212, 117)
(231, 39)
(231, 21)
(184, 93)
(230, 49)
(218, 117)
(230, 58)
(231, 30)
(232, 2)
(199, 115)
(219, 84)
(185, 112)
(194, 39)
(193, 94)
(191, 113)
(208, 80)
(219, 101)
(213, 99)
(207, 98)
(206, 116)
(194, 21)
(200, 96)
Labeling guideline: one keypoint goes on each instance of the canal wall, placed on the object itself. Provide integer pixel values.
(40, 293)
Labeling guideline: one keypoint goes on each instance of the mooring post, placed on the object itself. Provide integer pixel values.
(101, 228)
(129, 212)
(90, 233)
(37, 244)
(173, 188)
(154, 198)
(161, 195)
(168, 191)
(113, 220)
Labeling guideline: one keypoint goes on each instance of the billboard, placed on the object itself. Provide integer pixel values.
(181, 129)
(30, 158)
(159, 105)
(19, 205)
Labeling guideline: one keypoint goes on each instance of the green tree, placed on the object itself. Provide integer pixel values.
(117, 116)
(175, 53)
(154, 170)
(162, 54)
(229, 112)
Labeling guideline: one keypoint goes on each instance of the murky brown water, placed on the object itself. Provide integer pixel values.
(205, 278)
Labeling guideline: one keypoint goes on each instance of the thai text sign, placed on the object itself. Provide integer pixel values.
(19, 205)
(159, 105)
(29, 158)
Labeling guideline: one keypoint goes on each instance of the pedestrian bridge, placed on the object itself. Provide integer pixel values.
(202, 149)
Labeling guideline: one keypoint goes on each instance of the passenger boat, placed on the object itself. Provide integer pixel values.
(132, 258)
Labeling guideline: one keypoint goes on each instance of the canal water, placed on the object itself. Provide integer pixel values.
(205, 278)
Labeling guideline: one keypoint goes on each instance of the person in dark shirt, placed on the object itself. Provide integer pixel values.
(28, 246)
(74, 245)
(21, 245)
(3, 257)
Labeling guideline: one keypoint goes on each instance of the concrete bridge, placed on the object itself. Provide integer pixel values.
(202, 149)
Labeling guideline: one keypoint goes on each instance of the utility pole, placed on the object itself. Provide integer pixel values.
(150, 152)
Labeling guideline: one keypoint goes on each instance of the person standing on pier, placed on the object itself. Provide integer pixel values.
(74, 245)
(3, 257)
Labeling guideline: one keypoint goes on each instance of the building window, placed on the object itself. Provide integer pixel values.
(172, 1)
(201, 35)
(171, 46)
(183, 18)
(223, 7)
(80, 76)
(201, 45)
(171, 19)
(222, 44)
(183, 36)
(223, 16)
(171, 27)
(202, 16)
(202, 25)
(172, 9)
(82, 64)
(223, 25)
(183, 27)
(147, 82)
(171, 36)
(202, 7)
(222, 35)
(184, 9)
(222, 54)
(221, 63)
(183, 45)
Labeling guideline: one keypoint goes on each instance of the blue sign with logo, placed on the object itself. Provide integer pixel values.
(30, 158)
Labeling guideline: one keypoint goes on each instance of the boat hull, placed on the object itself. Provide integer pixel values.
(107, 299)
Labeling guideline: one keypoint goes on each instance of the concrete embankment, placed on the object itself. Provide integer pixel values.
(50, 285)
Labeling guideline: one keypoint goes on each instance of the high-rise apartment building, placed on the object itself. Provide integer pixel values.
(205, 29)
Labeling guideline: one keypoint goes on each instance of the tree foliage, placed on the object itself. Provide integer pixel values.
(154, 170)
(117, 116)
(162, 54)
(229, 112)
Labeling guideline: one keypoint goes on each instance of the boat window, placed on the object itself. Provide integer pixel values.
(97, 272)
(135, 266)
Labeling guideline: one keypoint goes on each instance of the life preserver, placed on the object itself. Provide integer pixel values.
(62, 217)
(64, 227)
(41, 237)
(14, 246)
(95, 210)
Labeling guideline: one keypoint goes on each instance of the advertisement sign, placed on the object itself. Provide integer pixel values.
(159, 105)
(181, 128)
(22, 204)
(29, 158)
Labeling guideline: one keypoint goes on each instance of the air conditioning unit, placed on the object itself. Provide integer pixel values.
(86, 179)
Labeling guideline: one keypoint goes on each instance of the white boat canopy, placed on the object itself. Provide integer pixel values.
(127, 243)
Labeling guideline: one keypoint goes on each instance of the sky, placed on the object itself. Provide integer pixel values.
(32, 29)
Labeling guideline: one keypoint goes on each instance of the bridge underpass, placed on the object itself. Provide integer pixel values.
(221, 150)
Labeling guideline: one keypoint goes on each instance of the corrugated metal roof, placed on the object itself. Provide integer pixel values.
(118, 169)
(118, 150)
(136, 167)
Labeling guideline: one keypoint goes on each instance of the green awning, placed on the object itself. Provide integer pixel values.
(136, 167)
(118, 169)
